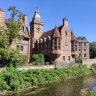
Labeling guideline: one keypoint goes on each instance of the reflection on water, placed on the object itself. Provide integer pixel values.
(69, 88)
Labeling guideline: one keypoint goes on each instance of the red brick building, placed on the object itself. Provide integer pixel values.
(59, 45)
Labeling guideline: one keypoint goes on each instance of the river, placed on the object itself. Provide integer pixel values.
(63, 88)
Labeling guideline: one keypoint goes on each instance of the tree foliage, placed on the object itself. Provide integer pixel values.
(14, 12)
(3, 39)
(38, 59)
(93, 50)
(10, 57)
(13, 31)
(12, 79)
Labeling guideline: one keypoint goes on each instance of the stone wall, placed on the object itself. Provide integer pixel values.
(89, 62)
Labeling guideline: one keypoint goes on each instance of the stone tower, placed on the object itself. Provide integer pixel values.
(36, 29)
(36, 26)
(2, 17)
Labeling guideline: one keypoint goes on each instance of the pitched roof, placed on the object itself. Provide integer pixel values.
(73, 38)
(50, 32)
(81, 39)
(26, 32)
(56, 33)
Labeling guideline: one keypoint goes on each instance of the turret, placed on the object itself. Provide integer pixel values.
(36, 25)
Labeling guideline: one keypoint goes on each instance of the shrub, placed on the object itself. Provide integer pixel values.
(25, 59)
(9, 56)
(37, 59)
(12, 79)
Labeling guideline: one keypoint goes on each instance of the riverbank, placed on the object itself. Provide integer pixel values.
(14, 80)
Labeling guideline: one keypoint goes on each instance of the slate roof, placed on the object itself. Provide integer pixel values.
(51, 32)
(81, 39)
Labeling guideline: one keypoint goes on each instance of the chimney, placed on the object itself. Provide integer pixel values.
(65, 22)
(2, 17)
(25, 20)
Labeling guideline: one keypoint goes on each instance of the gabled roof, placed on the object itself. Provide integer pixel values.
(73, 38)
(50, 32)
(56, 33)
(25, 33)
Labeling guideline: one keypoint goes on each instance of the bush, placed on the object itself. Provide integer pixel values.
(25, 59)
(91, 94)
(92, 49)
(9, 56)
(12, 79)
(38, 59)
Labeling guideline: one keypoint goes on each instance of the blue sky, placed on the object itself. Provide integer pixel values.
(81, 14)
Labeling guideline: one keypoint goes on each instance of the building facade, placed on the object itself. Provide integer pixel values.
(23, 41)
(59, 45)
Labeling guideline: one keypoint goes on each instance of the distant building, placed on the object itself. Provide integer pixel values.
(23, 41)
(59, 44)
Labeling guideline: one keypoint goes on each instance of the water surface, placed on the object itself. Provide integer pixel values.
(64, 88)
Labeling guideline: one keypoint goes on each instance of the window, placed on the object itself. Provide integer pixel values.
(69, 58)
(52, 44)
(56, 44)
(64, 58)
(79, 49)
(66, 38)
(79, 44)
(21, 48)
(85, 55)
(72, 44)
(66, 33)
(84, 49)
(17, 46)
(84, 44)
(59, 44)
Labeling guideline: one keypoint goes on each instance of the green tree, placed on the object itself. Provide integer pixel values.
(20, 16)
(10, 57)
(13, 31)
(14, 12)
(93, 50)
(3, 39)
(38, 59)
